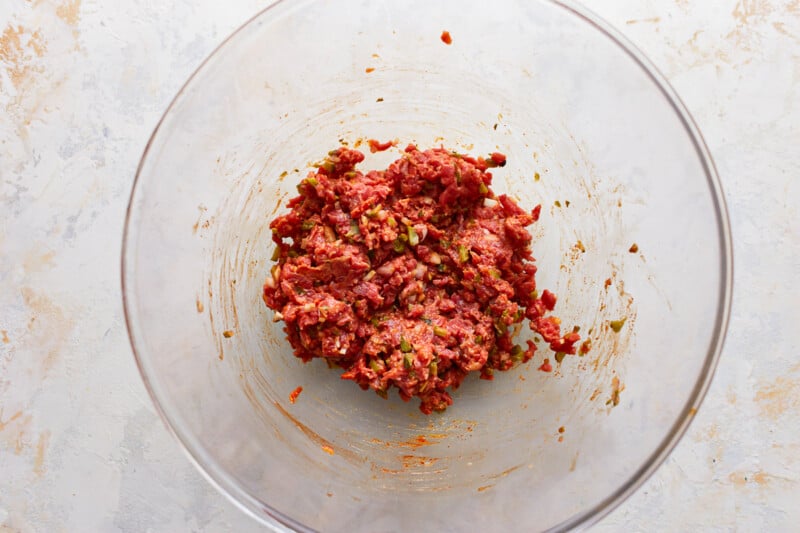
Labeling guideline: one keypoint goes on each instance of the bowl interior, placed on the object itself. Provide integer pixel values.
(582, 123)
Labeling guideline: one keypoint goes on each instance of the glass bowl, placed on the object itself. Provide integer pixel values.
(592, 132)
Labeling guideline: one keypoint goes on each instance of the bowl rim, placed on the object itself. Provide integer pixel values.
(222, 481)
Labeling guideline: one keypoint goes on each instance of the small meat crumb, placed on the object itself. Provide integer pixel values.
(227, 334)
(634, 248)
(377, 146)
(295, 393)
(327, 449)
(369, 69)
(446, 38)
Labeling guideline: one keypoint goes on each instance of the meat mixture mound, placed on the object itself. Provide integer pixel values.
(410, 277)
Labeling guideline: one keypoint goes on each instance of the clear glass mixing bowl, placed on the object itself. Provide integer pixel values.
(569, 101)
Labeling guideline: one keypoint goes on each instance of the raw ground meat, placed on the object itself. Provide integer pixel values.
(410, 277)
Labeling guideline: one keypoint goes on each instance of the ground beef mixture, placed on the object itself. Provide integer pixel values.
(410, 277)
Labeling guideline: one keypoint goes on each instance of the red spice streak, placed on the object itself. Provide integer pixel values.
(410, 277)
(446, 38)
(295, 393)
(546, 366)
(377, 146)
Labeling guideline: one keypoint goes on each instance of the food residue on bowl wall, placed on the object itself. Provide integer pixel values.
(446, 37)
(295, 393)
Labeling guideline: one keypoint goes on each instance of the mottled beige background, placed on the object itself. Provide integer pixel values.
(82, 84)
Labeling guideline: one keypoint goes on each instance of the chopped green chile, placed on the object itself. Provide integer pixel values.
(517, 351)
(413, 238)
(439, 331)
(463, 253)
(405, 346)
(616, 325)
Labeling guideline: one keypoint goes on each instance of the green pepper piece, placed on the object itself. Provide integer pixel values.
(463, 253)
(434, 369)
(517, 352)
(354, 231)
(307, 225)
(405, 346)
(413, 238)
(408, 360)
(439, 331)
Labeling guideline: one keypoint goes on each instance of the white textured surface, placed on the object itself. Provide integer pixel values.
(82, 84)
